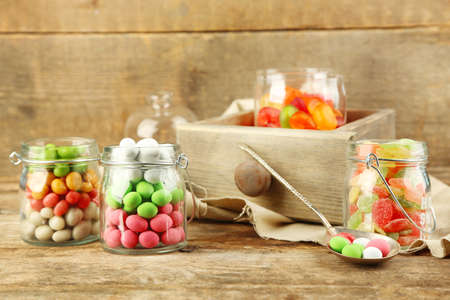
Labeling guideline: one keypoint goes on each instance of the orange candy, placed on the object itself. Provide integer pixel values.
(91, 176)
(41, 194)
(36, 205)
(61, 208)
(86, 187)
(291, 94)
(58, 186)
(301, 120)
(74, 181)
(322, 114)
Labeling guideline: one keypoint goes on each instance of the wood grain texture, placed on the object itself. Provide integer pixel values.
(229, 262)
(315, 162)
(53, 85)
(205, 15)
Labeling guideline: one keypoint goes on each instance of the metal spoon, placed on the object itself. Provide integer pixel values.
(332, 231)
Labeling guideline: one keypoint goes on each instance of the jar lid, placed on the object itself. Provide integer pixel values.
(396, 150)
(57, 150)
(160, 155)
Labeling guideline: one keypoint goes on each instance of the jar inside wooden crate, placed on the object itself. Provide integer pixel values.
(58, 191)
(300, 99)
(389, 189)
(142, 200)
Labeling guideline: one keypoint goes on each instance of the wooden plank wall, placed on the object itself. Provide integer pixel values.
(79, 67)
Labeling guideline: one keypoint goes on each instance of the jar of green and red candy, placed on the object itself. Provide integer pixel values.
(142, 198)
(370, 206)
(59, 191)
(300, 99)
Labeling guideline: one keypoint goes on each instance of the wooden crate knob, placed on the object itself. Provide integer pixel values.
(251, 178)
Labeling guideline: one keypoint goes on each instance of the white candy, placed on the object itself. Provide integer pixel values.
(91, 212)
(124, 154)
(82, 230)
(46, 212)
(74, 216)
(57, 223)
(127, 142)
(170, 178)
(95, 228)
(372, 252)
(36, 219)
(27, 209)
(166, 154)
(148, 150)
(62, 235)
(43, 233)
(152, 175)
(362, 241)
(27, 230)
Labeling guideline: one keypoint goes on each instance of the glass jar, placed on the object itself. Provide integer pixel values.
(58, 191)
(389, 190)
(300, 99)
(158, 119)
(142, 207)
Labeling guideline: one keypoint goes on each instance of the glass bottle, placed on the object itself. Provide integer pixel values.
(158, 119)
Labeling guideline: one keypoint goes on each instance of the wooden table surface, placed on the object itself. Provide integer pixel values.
(228, 261)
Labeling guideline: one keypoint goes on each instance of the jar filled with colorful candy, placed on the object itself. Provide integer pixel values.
(389, 190)
(300, 99)
(142, 198)
(58, 191)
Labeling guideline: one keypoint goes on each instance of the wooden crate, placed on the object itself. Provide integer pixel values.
(314, 162)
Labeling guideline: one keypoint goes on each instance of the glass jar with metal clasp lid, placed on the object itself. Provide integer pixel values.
(58, 191)
(389, 189)
(142, 208)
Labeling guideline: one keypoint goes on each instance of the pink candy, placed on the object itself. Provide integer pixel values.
(136, 223)
(177, 218)
(171, 236)
(118, 217)
(161, 223)
(129, 239)
(148, 239)
(112, 237)
(380, 244)
(182, 233)
(166, 209)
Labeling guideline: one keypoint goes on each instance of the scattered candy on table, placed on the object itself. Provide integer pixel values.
(360, 247)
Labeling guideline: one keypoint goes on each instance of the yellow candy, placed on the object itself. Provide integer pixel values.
(41, 194)
(74, 181)
(86, 187)
(58, 186)
(353, 195)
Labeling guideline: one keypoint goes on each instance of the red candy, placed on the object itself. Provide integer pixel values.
(176, 206)
(73, 197)
(382, 211)
(166, 209)
(129, 239)
(380, 244)
(36, 205)
(397, 225)
(269, 117)
(348, 236)
(50, 200)
(148, 239)
(137, 223)
(300, 104)
(113, 238)
(161, 223)
(84, 200)
(177, 218)
(61, 208)
(171, 236)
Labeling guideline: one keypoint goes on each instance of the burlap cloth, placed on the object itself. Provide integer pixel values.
(271, 225)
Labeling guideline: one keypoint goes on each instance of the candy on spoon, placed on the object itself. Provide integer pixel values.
(372, 252)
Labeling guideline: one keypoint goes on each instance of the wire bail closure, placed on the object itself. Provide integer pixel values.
(182, 161)
(15, 158)
(372, 161)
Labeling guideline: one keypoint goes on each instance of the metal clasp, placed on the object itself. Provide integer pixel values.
(15, 158)
(182, 161)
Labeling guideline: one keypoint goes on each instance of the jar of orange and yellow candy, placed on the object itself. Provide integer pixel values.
(300, 99)
(59, 191)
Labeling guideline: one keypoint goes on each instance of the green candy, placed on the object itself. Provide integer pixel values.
(365, 202)
(177, 195)
(37, 152)
(80, 168)
(361, 247)
(67, 152)
(61, 170)
(338, 243)
(112, 201)
(132, 200)
(161, 197)
(145, 189)
(286, 114)
(50, 152)
(129, 210)
(147, 210)
(352, 251)
(355, 220)
(158, 186)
